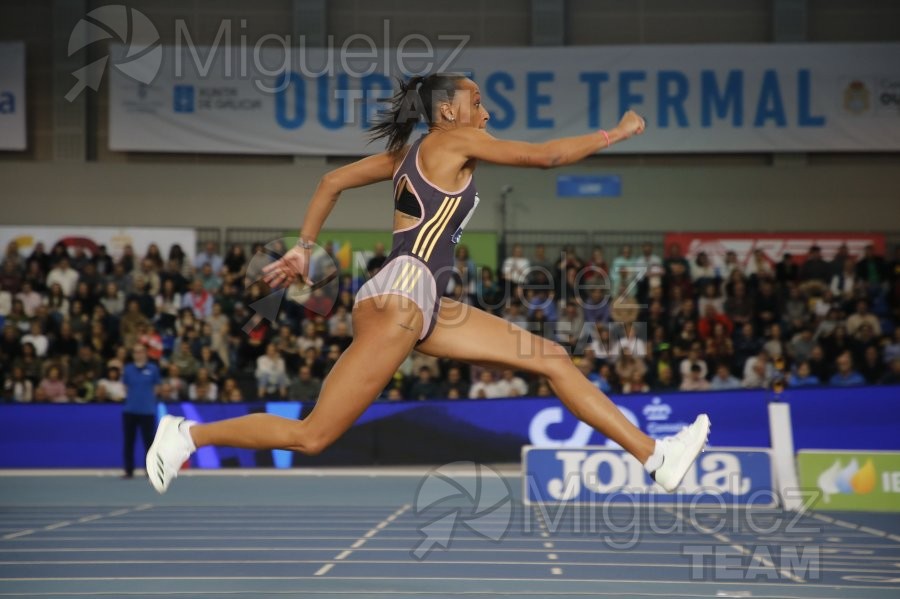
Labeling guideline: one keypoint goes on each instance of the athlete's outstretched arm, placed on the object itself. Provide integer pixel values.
(478, 144)
(372, 169)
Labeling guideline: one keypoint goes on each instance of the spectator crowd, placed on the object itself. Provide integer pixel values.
(71, 319)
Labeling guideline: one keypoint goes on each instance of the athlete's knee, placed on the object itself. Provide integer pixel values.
(314, 446)
(309, 440)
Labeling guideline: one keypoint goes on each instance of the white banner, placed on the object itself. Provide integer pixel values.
(12, 96)
(90, 238)
(696, 98)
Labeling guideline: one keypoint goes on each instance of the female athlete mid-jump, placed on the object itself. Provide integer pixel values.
(401, 308)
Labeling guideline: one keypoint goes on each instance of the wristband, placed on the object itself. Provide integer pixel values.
(606, 135)
(302, 243)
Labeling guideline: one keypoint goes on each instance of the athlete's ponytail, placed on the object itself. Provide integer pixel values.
(416, 100)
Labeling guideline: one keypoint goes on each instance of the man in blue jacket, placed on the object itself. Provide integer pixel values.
(845, 375)
(142, 381)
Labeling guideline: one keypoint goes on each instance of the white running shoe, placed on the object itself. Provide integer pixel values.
(169, 451)
(679, 452)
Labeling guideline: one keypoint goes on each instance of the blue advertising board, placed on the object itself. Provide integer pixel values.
(588, 186)
(439, 431)
(600, 475)
(845, 417)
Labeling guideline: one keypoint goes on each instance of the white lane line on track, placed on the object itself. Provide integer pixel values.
(90, 518)
(866, 529)
(343, 555)
(571, 542)
(753, 556)
(552, 557)
(394, 562)
(873, 531)
(593, 581)
(825, 557)
(65, 523)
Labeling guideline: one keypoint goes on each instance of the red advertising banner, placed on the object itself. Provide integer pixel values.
(773, 245)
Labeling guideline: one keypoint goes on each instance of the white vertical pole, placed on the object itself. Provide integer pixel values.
(782, 435)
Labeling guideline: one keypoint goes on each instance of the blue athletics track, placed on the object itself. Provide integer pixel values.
(362, 533)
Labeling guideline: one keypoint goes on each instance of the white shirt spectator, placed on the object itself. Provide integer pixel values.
(755, 378)
(165, 305)
(759, 266)
(484, 390)
(685, 368)
(20, 391)
(31, 301)
(66, 277)
(843, 286)
(304, 343)
(271, 367)
(210, 394)
(511, 387)
(702, 272)
(114, 390)
(270, 373)
(821, 306)
(40, 343)
(515, 269)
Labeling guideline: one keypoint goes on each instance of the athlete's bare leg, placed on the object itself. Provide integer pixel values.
(472, 335)
(385, 331)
